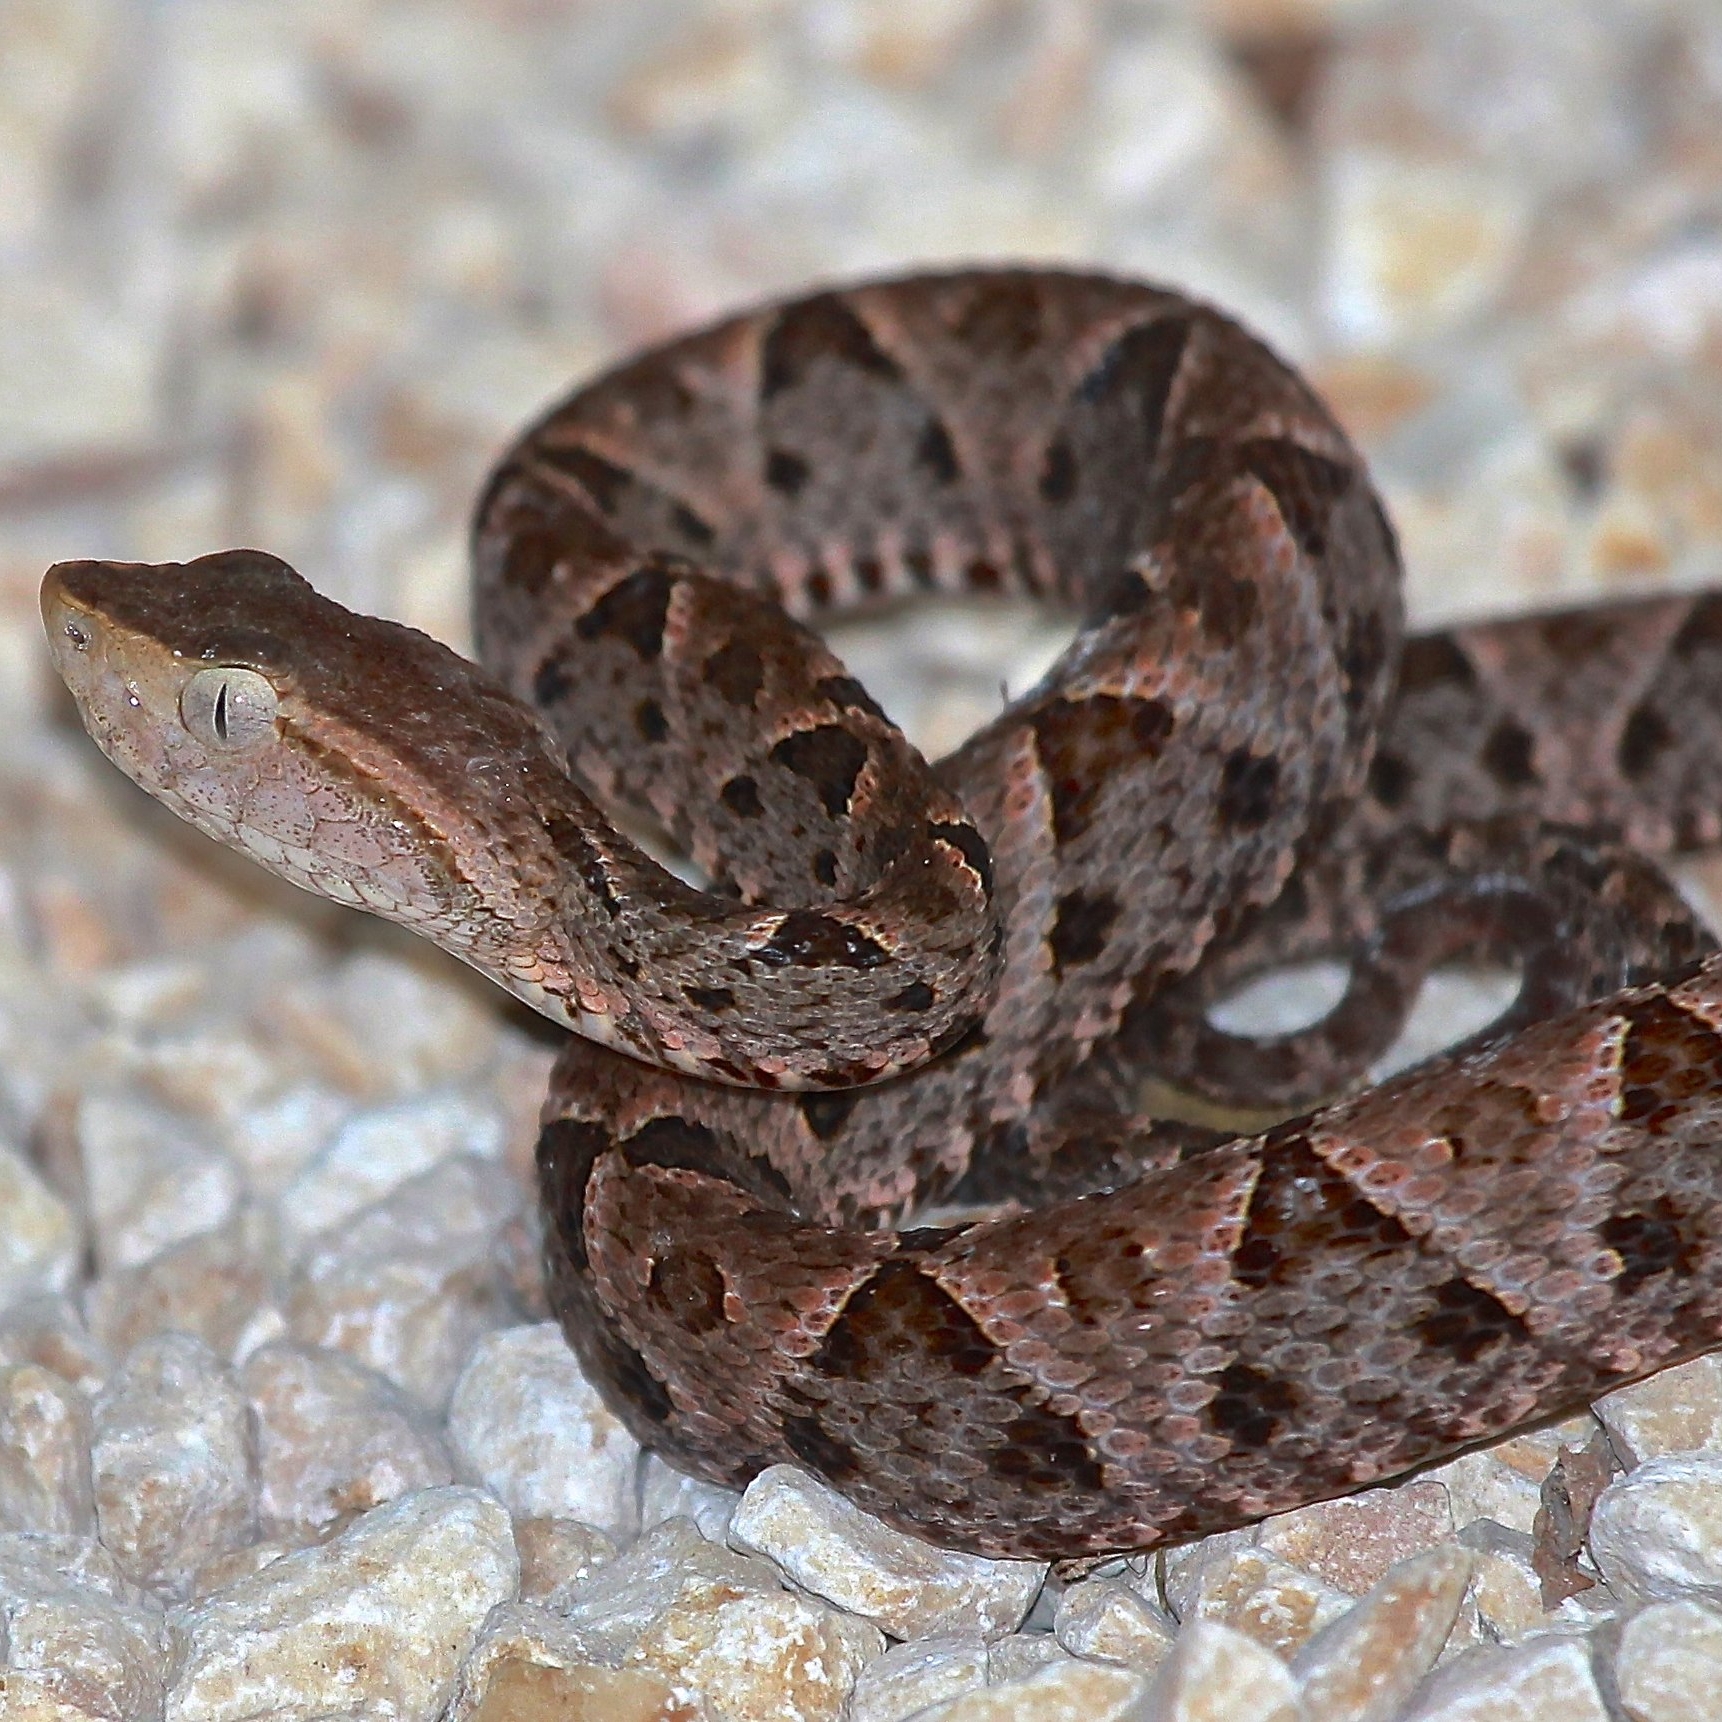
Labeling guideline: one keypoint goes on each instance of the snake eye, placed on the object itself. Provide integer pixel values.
(229, 709)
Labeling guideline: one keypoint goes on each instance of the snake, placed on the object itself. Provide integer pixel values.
(852, 1161)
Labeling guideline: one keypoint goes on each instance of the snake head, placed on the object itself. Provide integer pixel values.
(318, 742)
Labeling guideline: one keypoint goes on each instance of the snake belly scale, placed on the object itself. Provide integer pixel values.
(910, 984)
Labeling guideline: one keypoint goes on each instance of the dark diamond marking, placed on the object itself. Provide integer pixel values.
(736, 673)
(825, 868)
(1140, 367)
(968, 843)
(1649, 1241)
(1507, 755)
(1643, 740)
(820, 329)
(916, 996)
(1246, 795)
(650, 721)
(602, 480)
(710, 998)
(808, 939)
(830, 758)
(1431, 659)
(1468, 1321)
(1251, 1407)
(689, 1289)
(552, 681)
(1305, 486)
(1079, 932)
(1058, 474)
(936, 455)
(845, 691)
(826, 1114)
(571, 842)
(741, 796)
(633, 610)
(786, 473)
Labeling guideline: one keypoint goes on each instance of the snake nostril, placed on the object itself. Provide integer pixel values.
(80, 640)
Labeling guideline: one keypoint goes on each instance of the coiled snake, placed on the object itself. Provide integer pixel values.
(911, 984)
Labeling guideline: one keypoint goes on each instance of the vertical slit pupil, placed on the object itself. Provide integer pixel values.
(221, 711)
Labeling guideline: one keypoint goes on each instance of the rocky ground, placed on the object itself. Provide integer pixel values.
(282, 1429)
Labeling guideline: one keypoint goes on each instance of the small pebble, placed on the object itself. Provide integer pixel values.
(334, 1439)
(1547, 1680)
(1214, 1672)
(1656, 1533)
(45, 1480)
(908, 1587)
(173, 1462)
(374, 1623)
(909, 1678)
(1365, 1665)
(1668, 1667)
(1105, 1619)
(524, 1421)
(410, 1284)
(77, 1631)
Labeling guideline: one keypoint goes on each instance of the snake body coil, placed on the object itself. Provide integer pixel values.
(911, 984)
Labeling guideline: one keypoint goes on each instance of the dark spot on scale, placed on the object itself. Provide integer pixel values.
(1468, 1321)
(936, 454)
(1058, 474)
(552, 682)
(870, 574)
(1390, 780)
(983, 576)
(571, 842)
(786, 473)
(820, 330)
(696, 531)
(1643, 739)
(1079, 931)
(918, 565)
(972, 846)
(1649, 1241)
(1305, 486)
(1251, 1407)
(633, 610)
(741, 796)
(826, 1114)
(830, 758)
(916, 996)
(1246, 795)
(808, 939)
(825, 868)
(845, 691)
(818, 587)
(710, 998)
(650, 721)
(736, 673)
(1507, 755)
